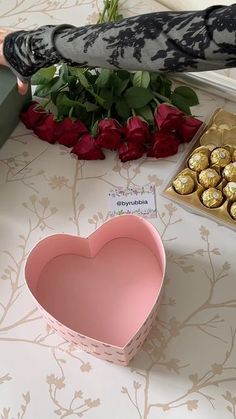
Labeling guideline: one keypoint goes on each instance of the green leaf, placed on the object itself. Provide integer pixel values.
(64, 72)
(78, 94)
(94, 129)
(187, 94)
(165, 88)
(43, 76)
(52, 86)
(181, 103)
(79, 73)
(161, 98)
(74, 71)
(98, 98)
(154, 77)
(115, 82)
(122, 108)
(137, 97)
(91, 77)
(72, 84)
(141, 79)
(124, 83)
(54, 97)
(83, 80)
(90, 107)
(71, 111)
(103, 78)
(123, 74)
(146, 113)
(62, 108)
(82, 115)
(107, 95)
(161, 84)
(63, 100)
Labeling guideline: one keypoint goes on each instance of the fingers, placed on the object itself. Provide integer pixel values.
(22, 87)
(3, 33)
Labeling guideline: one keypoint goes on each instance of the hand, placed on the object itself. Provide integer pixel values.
(22, 87)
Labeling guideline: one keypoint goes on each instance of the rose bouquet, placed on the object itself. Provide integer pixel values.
(90, 110)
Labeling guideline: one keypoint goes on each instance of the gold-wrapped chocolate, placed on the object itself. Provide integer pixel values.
(209, 178)
(233, 211)
(229, 172)
(202, 150)
(234, 156)
(198, 161)
(220, 157)
(230, 191)
(212, 198)
(184, 184)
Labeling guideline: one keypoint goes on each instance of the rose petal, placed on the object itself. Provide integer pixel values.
(137, 130)
(46, 128)
(187, 128)
(109, 139)
(130, 151)
(109, 134)
(33, 114)
(167, 117)
(108, 123)
(68, 131)
(164, 145)
(87, 149)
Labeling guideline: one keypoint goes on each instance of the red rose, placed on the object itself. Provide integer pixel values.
(109, 134)
(137, 130)
(87, 149)
(130, 151)
(188, 128)
(164, 145)
(167, 117)
(68, 131)
(46, 128)
(32, 115)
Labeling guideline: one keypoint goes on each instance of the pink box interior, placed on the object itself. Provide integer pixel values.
(104, 286)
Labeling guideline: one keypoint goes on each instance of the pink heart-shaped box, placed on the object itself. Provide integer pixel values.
(100, 292)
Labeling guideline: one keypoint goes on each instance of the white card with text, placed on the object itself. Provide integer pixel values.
(138, 200)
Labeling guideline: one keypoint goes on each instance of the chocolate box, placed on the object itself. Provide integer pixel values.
(219, 131)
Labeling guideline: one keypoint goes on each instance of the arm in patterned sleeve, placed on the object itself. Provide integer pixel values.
(165, 41)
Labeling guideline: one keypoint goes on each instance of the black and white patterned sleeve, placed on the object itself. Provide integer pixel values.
(166, 41)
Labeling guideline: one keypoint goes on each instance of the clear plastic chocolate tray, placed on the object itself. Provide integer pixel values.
(220, 131)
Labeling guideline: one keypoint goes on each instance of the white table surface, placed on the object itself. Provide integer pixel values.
(186, 368)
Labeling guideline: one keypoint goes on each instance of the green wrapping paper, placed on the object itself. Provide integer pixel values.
(11, 104)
